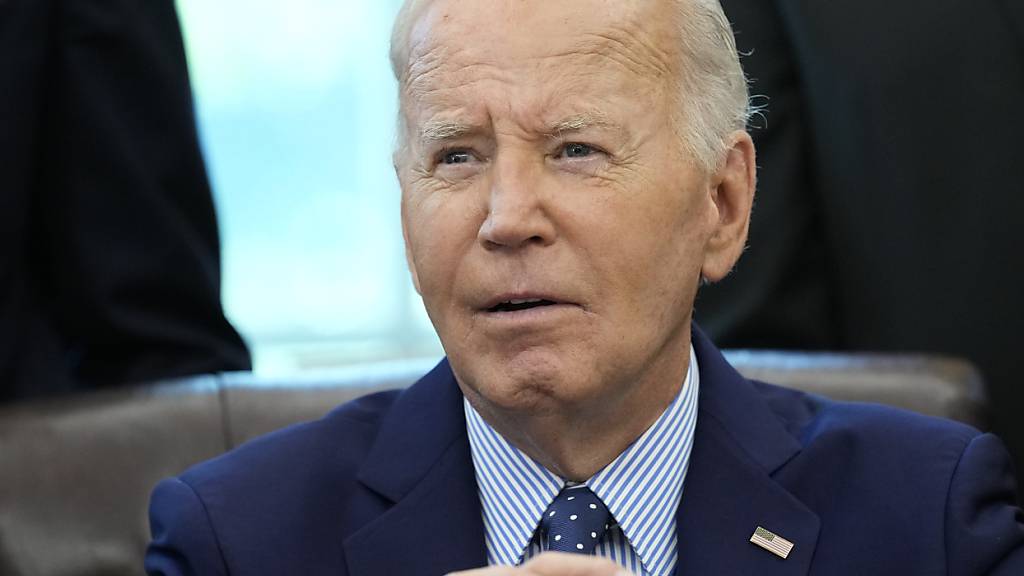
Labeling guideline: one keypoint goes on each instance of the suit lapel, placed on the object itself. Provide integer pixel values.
(729, 490)
(421, 462)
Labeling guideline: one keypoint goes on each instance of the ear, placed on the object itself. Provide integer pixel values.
(732, 192)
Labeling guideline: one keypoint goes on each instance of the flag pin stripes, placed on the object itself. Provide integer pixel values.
(772, 542)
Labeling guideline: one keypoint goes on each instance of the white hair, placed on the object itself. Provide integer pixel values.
(713, 98)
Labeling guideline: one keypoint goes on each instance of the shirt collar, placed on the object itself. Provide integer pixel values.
(642, 487)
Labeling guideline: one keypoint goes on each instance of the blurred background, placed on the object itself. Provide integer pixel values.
(297, 133)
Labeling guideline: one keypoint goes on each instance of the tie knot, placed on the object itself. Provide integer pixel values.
(575, 521)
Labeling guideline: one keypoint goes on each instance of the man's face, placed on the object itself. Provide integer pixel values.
(554, 225)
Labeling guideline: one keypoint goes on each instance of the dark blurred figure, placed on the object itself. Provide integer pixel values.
(109, 254)
(890, 200)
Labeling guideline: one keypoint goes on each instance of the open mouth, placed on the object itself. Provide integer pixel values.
(517, 305)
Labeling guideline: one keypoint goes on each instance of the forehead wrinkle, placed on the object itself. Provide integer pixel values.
(424, 62)
(636, 53)
(637, 47)
(440, 72)
(442, 78)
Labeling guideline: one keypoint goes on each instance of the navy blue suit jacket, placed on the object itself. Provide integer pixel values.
(384, 485)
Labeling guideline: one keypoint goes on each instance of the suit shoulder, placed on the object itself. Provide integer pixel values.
(330, 446)
(279, 491)
(861, 460)
(811, 418)
(944, 491)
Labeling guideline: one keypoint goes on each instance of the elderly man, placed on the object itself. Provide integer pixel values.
(571, 172)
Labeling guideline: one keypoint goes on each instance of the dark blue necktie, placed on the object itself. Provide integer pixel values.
(575, 521)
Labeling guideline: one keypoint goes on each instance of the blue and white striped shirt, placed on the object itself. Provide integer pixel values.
(642, 488)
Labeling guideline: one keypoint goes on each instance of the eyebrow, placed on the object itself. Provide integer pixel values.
(440, 130)
(580, 122)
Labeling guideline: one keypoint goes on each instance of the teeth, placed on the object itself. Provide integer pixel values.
(526, 301)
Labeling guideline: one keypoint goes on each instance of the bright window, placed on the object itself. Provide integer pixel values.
(296, 110)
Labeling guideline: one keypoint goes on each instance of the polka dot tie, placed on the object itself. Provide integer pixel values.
(575, 521)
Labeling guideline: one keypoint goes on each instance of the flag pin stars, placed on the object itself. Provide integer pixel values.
(772, 542)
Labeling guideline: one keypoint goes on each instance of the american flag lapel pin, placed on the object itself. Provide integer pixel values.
(771, 542)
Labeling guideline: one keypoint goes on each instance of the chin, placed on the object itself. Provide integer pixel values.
(533, 379)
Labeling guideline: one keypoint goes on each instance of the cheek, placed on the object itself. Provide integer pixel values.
(431, 258)
(653, 251)
(440, 230)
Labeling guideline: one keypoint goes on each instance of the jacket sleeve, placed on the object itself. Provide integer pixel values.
(984, 524)
(183, 541)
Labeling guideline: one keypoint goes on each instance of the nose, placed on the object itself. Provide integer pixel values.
(516, 208)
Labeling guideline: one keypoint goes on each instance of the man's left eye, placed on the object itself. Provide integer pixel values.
(577, 150)
(456, 157)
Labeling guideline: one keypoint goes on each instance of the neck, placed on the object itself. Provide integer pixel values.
(579, 440)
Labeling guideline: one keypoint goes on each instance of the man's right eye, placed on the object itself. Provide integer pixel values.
(456, 157)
